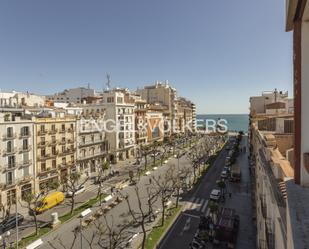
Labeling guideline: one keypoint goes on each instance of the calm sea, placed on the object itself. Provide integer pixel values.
(235, 122)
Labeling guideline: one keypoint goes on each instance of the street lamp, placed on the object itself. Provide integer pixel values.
(82, 215)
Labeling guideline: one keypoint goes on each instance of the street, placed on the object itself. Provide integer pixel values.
(240, 200)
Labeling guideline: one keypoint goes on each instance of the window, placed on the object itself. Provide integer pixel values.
(54, 164)
(53, 149)
(25, 131)
(42, 128)
(53, 127)
(53, 139)
(63, 148)
(92, 138)
(43, 166)
(63, 127)
(83, 140)
(72, 126)
(11, 161)
(43, 152)
(119, 100)
(9, 146)
(25, 144)
(9, 132)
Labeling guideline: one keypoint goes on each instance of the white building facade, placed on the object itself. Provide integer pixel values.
(16, 160)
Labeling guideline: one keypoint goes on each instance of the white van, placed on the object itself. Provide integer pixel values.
(215, 195)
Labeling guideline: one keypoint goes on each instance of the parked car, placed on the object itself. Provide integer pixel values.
(215, 195)
(80, 190)
(10, 222)
(224, 174)
(49, 201)
(196, 245)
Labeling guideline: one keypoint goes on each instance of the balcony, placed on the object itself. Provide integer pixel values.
(263, 206)
(42, 132)
(269, 234)
(25, 135)
(9, 166)
(65, 165)
(70, 141)
(10, 183)
(70, 130)
(89, 143)
(9, 151)
(9, 136)
(62, 142)
(53, 143)
(42, 144)
(67, 152)
(25, 148)
(44, 157)
(25, 163)
(24, 180)
(52, 131)
(62, 131)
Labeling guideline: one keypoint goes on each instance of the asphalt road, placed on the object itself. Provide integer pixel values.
(196, 205)
(116, 215)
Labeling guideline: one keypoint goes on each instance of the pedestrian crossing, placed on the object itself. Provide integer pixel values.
(197, 204)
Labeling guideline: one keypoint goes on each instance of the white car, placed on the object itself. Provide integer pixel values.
(215, 194)
(224, 174)
(80, 190)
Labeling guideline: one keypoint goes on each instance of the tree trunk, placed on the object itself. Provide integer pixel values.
(145, 161)
(163, 213)
(35, 223)
(177, 198)
(144, 233)
(72, 203)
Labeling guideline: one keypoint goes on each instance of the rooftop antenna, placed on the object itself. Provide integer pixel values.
(108, 83)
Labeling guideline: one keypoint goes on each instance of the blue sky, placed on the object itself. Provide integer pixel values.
(215, 52)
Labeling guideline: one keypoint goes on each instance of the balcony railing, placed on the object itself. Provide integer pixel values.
(9, 136)
(10, 183)
(42, 132)
(65, 165)
(25, 163)
(62, 131)
(88, 143)
(25, 148)
(270, 237)
(42, 144)
(44, 157)
(70, 130)
(52, 131)
(24, 134)
(66, 152)
(9, 151)
(9, 166)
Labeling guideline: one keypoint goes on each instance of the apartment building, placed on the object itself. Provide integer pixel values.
(155, 124)
(297, 17)
(165, 95)
(140, 120)
(270, 169)
(184, 115)
(120, 123)
(19, 99)
(271, 102)
(73, 95)
(16, 158)
(55, 149)
(92, 145)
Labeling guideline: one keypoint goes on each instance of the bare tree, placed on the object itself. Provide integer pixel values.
(111, 236)
(33, 203)
(163, 155)
(138, 215)
(163, 184)
(73, 184)
(154, 149)
(101, 175)
(145, 151)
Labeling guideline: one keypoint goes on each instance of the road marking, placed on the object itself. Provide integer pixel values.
(195, 203)
(199, 204)
(191, 215)
(204, 207)
(190, 203)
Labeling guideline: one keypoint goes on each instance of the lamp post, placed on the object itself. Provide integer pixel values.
(82, 215)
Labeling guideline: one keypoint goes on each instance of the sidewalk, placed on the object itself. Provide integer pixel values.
(241, 202)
